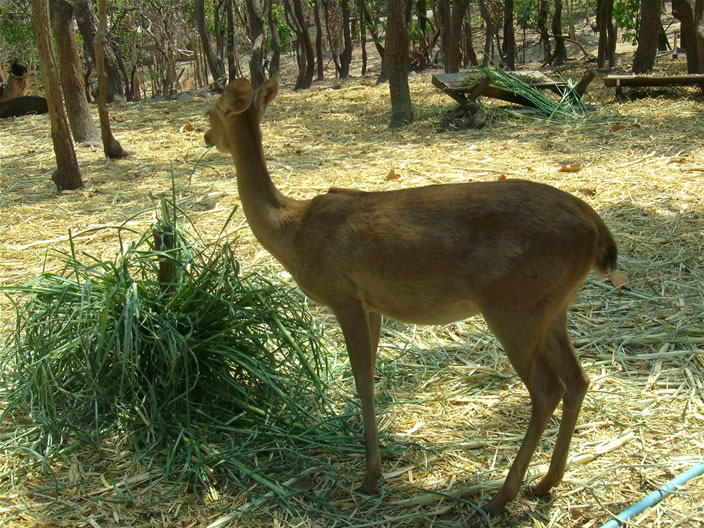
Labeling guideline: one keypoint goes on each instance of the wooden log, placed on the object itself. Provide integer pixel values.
(587, 78)
(480, 88)
(25, 105)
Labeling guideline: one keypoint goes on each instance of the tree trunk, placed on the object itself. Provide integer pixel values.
(346, 55)
(111, 146)
(372, 26)
(423, 24)
(79, 114)
(683, 10)
(560, 55)
(570, 19)
(452, 41)
(362, 35)
(607, 34)
(216, 67)
(230, 41)
(647, 45)
(689, 13)
(397, 50)
(275, 63)
(488, 32)
(509, 36)
(256, 10)
(67, 175)
(543, 30)
(318, 41)
(329, 32)
(306, 67)
(699, 26)
(88, 26)
(468, 54)
(443, 17)
(134, 62)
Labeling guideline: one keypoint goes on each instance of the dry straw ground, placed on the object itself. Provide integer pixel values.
(639, 163)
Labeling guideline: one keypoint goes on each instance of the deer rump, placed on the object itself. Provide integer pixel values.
(442, 253)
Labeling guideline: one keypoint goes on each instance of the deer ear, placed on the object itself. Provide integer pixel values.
(237, 95)
(266, 93)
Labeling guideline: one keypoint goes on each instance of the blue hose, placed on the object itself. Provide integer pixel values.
(655, 496)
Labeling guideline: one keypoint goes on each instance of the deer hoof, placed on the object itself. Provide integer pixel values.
(487, 511)
(362, 490)
(369, 487)
(540, 490)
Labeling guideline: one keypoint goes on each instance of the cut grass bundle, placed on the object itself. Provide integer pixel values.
(569, 106)
(189, 366)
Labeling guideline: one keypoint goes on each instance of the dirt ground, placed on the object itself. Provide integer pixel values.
(637, 161)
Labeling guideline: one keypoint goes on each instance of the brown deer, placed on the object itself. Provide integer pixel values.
(514, 251)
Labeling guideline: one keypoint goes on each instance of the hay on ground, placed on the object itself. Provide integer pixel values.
(447, 395)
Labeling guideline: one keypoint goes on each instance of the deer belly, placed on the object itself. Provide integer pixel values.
(422, 310)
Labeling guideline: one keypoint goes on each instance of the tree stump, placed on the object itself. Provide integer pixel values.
(16, 84)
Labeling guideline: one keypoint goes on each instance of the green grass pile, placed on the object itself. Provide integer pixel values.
(565, 108)
(199, 373)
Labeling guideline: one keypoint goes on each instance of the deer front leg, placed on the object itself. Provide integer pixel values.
(361, 330)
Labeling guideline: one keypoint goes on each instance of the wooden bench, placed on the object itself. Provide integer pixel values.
(619, 81)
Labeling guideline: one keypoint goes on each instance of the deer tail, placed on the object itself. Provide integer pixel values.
(607, 253)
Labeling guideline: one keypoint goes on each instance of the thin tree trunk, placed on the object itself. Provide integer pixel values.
(346, 55)
(111, 146)
(318, 41)
(230, 41)
(699, 34)
(216, 68)
(560, 55)
(543, 30)
(470, 56)
(607, 34)
(373, 31)
(683, 10)
(362, 35)
(134, 74)
(570, 20)
(423, 23)
(489, 32)
(509, 47)
(308, 66)
(67, 175)
(644, 57)
(79, 114)
(452, 41)
(255, 11)
(397, 49)
(275, 63)
(443, 15)
(88, 26)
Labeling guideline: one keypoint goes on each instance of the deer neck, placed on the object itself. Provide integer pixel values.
(272, 217)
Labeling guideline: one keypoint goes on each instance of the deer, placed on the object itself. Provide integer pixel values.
(514, 251)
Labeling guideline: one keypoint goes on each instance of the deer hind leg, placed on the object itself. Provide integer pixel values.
(361, 330)
(524, 344)
(564, 360)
